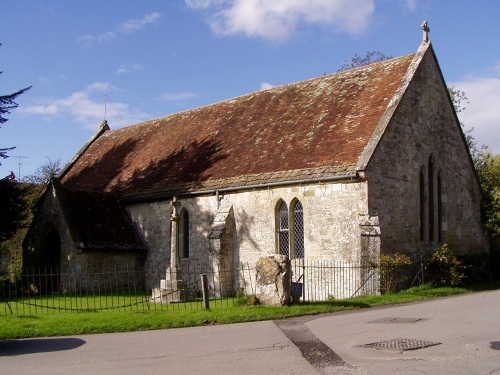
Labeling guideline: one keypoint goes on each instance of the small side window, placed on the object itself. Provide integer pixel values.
(184, 234)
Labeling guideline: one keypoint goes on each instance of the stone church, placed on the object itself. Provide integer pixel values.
(342, 167)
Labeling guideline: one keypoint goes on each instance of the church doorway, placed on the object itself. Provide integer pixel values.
(50, 260)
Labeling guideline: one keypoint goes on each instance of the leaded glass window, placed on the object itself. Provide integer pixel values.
(283, 233)
(298, 227)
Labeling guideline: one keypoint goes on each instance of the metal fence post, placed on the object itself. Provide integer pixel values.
(204, 288)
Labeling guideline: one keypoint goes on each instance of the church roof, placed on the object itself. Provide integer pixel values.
(307, 130)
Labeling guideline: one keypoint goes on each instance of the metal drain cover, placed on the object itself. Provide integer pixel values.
(400, 344)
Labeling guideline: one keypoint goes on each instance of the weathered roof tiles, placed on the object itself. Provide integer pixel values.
(320, 125)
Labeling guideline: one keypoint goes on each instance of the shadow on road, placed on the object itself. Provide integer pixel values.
(32, 346)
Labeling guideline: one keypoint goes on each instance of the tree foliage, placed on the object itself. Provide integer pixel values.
(12, 203)
(44, 173)
(487, 167)
(488, 171)
(13, 208)
(370, 58)
(16, 199)
(444, 268)
(7, 104)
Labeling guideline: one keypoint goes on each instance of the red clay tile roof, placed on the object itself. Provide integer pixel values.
(317, 127)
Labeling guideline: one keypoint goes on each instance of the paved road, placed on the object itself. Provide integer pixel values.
(467, 328)
(464, 329)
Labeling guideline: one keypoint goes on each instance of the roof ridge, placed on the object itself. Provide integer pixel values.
(102, 129)
(274, 88)
(392, 106)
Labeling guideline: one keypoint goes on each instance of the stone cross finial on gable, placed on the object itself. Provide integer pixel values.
(425, 28)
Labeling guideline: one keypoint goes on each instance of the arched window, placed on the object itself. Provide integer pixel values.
(298, 231)
(431, 198)
(290, 229)
(439, 208)
(50, 258)
(422, 204)
(431, 202)
(283, 233)
(184, 234)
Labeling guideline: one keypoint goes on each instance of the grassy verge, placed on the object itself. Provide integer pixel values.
(79, 323)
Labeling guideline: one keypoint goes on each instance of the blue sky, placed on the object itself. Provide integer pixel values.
(153, 58)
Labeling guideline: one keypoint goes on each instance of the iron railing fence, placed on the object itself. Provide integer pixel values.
(74, 289)
(324, 280)
(50, 291)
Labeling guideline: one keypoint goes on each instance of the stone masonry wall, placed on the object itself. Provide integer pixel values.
(50, 214)
(71, 258)
(332, 216)
(423, 125)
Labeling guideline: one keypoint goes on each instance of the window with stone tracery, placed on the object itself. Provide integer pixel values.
(290, 229)
(431, 202)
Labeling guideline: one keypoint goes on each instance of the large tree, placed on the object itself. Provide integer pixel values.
(7, 104)
(487, 166)
(16, 203)
(12, 202)
(13, 208)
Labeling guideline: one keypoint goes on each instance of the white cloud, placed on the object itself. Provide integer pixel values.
(265, 86)
(131, 26)
(126, 27)
(129, 68)
(88, 108)
(89, 40)
(483, 112)
(100, 87)
(411, 4)
(278, 19)
(496, 69)
(176, 97)
(203, 4)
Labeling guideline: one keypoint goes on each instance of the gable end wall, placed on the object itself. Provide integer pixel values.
(424, 124)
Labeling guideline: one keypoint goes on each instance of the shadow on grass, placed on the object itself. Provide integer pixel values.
(33, 346)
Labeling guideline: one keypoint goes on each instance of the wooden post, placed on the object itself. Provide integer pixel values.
(204, 287)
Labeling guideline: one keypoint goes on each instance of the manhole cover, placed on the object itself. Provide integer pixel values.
(400, 344)
(398, 320)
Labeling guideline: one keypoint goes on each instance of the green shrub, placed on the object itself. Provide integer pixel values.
(245, 300)
(392, 270)
(443, 267)
(477, 267)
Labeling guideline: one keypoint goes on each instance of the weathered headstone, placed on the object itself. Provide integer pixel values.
(273, 280)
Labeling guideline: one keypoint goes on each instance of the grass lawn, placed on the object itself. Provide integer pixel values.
(79, 323)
